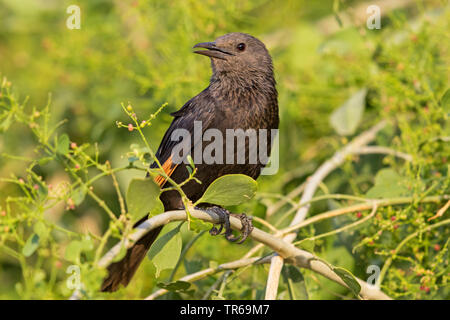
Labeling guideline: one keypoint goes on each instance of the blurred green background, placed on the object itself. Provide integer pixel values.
(139, 52)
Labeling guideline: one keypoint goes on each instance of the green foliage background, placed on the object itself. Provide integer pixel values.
(139, 52)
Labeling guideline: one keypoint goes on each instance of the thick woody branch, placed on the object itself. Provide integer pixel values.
(286, 250)
(246, 260)
(311, 186)
(360, 151)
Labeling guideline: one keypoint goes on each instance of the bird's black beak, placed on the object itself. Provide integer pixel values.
(212, 51)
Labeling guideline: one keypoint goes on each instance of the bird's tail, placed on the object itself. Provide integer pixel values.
(122, 271)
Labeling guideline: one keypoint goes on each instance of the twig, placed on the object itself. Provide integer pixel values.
(388, 262)
(361, 207)
(356, 15)
(362, 150)
(312, 184)
(441, 211)
(383, 150)
(266, 224)
(277, 205)
(216, 284)
(209, 271)
(230, 266)
(183, 254)
(350, 226)
(117, 188)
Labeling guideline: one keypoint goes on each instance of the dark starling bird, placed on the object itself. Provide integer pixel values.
(241, 95)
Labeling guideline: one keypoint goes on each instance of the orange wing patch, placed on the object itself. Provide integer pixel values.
(168, 167)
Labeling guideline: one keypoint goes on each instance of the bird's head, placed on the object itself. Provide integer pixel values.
(237, 54)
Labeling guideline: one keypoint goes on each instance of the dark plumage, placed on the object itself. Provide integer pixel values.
(241, 94)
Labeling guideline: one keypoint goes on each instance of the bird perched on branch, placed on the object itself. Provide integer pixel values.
(241, 95)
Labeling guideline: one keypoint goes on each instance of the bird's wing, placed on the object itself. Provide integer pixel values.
(198, 108)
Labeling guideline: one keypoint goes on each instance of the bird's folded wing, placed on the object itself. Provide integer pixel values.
(196, 109)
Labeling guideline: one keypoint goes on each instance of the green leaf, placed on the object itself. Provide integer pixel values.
(143, 198)
(193, 265)
(63, 144)
(198, 225)
(295, 283)
(388, 183)
(4, 125)
(445, 101)
(229, 190)
(122, 252)
(213, 264)
(73, 251)
(347, 117)
(44, 161)
(166, 250)
(41, 230)
(78, 195)
(175, 286)
(349, 280)
(87, 244)
(31, 245)
(93, 278)
(307, 244)
(191, 161)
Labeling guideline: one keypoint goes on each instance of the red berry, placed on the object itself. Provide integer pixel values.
(358, 215)
(130, 127)
(425, 288)
(437, 247)
(396, 226)
(393, 218)
(73, 145)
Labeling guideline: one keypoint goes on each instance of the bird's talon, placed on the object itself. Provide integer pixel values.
(214, 231)
(230, 238)
(224, 222)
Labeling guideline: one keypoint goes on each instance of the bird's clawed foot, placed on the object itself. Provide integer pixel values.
(224, 222)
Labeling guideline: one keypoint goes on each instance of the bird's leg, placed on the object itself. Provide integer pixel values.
(224, 221)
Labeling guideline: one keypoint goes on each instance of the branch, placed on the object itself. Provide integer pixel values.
(383, 150)
(356, 15)
(286, 250)
(311, 186)
(363, 150)
(209, 271)
(245, 261)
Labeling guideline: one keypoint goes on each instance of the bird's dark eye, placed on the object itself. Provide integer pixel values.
(241, 46)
